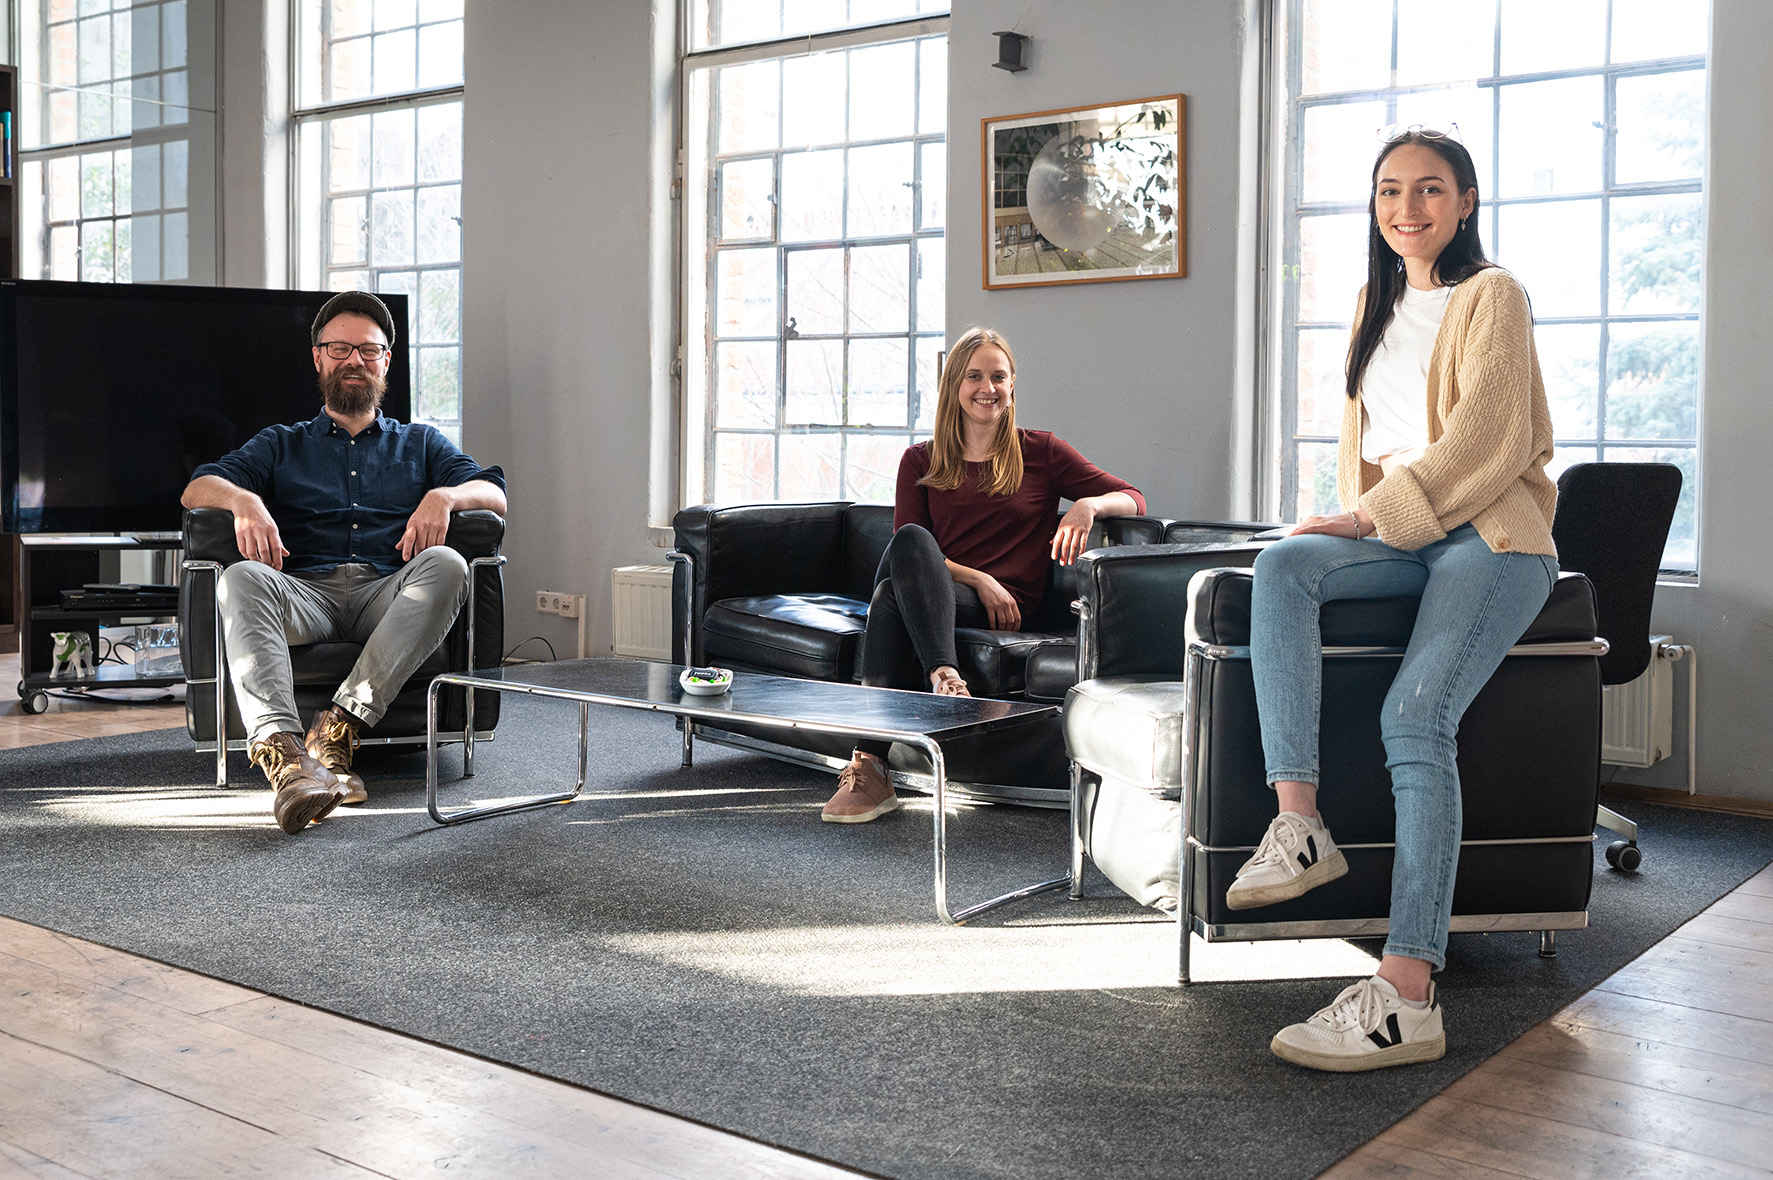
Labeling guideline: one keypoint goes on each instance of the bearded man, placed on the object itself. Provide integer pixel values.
(341, 521)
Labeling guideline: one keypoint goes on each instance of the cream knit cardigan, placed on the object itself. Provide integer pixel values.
(1489, 433)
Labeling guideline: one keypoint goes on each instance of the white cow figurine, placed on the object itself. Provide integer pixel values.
(73, 653)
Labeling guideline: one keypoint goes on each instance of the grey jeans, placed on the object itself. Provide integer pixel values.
(399, 619)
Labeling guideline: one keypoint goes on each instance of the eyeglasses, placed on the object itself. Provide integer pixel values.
(1392, 132)
(338, 350)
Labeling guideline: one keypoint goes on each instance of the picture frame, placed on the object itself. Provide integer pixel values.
(1087, 194)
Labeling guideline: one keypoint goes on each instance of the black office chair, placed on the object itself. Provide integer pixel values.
(1612, 524)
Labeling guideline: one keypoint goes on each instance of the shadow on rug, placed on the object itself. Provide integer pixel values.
(696, 940)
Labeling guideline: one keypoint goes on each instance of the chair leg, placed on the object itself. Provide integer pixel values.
(1548, 944)
(221, 687)
(1077, 837)
(1606, 817)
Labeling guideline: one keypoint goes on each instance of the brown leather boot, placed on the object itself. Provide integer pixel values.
(331, 739)
(306, 790)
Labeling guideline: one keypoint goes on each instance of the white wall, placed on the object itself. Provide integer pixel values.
(1138, 375)
(565, 205)
(252, 88)
(1728, 616)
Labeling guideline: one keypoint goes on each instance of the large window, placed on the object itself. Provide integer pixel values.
(1585, 119)
(105, 128)
(814, 295)
(379, 172)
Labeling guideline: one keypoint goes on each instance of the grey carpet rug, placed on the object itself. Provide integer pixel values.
(697, 941)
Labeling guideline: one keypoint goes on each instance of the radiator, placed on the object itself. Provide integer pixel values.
(1637, 718)
(640, 611)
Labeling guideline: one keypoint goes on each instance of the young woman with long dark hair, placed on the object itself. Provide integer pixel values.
(975, 523)
(1441, 472)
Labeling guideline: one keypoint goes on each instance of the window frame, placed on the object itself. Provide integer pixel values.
(1282, 165)
(699, 247)
(307, 246)
(159, 135)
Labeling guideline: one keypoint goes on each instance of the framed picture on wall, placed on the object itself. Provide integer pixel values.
(1086, 194)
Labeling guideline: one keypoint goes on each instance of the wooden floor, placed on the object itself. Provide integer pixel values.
(115, 1066)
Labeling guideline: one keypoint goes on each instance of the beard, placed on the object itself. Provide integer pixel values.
(353, 401)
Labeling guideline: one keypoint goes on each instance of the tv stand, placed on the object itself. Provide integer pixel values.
(50, 563)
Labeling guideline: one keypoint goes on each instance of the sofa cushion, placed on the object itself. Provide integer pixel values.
(1129, 728)
(995, 663)
(1135, 839)
(866, 530)
(331, 663)
(814, 636)
(1051, 671)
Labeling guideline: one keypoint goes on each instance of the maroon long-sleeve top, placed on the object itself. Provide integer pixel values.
(1009, 537)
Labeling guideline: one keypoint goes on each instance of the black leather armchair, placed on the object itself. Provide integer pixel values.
(1053, 668)
(784, 589)
(475, 641)
(1168, 768)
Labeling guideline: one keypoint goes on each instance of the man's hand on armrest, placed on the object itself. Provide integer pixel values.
(429, 525)
(255, 533)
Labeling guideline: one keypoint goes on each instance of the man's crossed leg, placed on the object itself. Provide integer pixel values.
(399, 618)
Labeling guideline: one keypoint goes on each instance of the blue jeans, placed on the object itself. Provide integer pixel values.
(1475, 605)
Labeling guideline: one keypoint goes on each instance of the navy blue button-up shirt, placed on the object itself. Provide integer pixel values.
(340, 499)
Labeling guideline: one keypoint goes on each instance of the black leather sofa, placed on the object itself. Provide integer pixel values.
(784, 588)
(1165, 734)
(320, 667)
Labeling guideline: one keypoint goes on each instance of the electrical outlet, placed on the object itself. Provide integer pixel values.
(557, 602)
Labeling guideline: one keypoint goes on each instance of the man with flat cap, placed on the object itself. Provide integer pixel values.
(341, 521)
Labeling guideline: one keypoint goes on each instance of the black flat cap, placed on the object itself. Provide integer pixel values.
(361, 302)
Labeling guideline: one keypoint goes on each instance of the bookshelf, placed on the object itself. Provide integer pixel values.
(9, 209)
(9, 242)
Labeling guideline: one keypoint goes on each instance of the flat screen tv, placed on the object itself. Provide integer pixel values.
(110, 394)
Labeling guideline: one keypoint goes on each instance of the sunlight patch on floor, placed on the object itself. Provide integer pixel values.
(197, 807)
(948, 960)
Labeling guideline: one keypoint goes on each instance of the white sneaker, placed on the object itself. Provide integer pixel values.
(1296, 856)
(1368, 1026)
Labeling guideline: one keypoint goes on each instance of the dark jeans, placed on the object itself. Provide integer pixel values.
(912, 617)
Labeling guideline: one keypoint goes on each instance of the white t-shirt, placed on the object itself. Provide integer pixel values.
(1394, 391)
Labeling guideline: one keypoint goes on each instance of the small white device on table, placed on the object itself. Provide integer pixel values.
(705, 682)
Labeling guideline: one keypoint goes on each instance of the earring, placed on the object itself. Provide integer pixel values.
(1462, 225)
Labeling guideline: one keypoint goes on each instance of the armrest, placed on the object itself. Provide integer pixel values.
(1135, 604)
(1132, 530)
(744, 550)
(478, 532)
(1213, 532)
(209, 534)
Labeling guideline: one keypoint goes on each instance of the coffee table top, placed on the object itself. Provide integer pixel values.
(756, 697)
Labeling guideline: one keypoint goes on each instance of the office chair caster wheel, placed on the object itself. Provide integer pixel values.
(1624, 856)
(33, 701)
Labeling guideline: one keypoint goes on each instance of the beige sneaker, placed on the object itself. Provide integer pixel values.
(951, 685)
(1296, 856)
(1368, 1026)
(863, 793)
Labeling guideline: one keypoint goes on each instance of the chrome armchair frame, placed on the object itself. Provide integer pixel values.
(222, 745)
(1195, 783)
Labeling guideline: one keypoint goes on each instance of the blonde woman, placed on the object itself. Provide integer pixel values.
(973, 530)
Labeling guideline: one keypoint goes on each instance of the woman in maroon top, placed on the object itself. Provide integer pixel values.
(973, 531)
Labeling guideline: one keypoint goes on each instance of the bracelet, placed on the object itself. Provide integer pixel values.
(1356, 522)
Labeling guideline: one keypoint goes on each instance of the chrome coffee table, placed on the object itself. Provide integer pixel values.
(919, 719)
